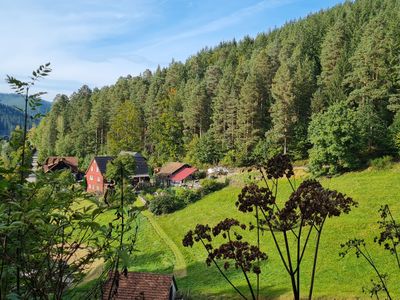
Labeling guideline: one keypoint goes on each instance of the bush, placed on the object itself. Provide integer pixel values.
(199, 175)
(168, 201)
(336, 140)
(165, 203)
(381, 163)
(187, 196)
(229, 159)
(211, 185)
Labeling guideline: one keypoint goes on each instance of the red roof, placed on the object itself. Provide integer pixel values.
(183, 174)
(140, 286)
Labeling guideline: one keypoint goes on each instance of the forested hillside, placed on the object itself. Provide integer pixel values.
(10, 116)
(324, 88)
(9, 119)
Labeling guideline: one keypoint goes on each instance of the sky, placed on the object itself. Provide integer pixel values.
(94, 42)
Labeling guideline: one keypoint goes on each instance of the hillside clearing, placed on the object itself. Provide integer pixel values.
(336, 277)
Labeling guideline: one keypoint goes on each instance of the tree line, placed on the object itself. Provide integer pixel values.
(325, 87)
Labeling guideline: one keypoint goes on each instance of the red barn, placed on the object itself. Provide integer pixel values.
(95, 174)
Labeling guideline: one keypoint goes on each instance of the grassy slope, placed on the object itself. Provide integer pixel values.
(336, 277)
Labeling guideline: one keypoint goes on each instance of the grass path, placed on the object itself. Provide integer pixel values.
(180, 268)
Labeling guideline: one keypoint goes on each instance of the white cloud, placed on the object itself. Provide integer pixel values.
(66, 33)
(218, 24)
(96, 41)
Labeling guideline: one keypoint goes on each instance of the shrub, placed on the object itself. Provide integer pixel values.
(171, 200)
(229, 159)
(211, 185)
(336, 140)
(200, 174)
(381, 163)
(165, 203)
(187, 196)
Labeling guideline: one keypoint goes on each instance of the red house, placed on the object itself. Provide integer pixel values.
(175, 173)
(95, 174)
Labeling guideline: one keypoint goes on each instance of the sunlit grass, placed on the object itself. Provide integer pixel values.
(336, 277)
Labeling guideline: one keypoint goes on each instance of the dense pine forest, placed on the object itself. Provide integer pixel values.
(324, 88)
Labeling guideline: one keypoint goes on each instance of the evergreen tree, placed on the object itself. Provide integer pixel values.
(224, 109)
(283, 110)
(196, 115)
(370, 80)
(126, 131)
(334, 65)
(167, 132)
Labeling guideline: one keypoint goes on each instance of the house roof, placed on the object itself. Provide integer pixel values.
(102, 161)
(170, 168)
(137, 285)
(141, 167)
(183, 173)
(53, 161)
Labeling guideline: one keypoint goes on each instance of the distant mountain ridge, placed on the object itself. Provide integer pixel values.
(10, 116)
(16, 100)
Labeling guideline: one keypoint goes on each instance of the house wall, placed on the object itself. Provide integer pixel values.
(94, 179)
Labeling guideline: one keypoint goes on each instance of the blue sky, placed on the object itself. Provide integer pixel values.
(94, 42)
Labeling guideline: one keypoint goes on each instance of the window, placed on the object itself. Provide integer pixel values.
(90, 186)
(91, 177)
(97, 188)
(98, 179)
(97, 169)
(91, 168)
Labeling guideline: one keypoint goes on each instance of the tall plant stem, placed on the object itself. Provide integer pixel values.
(276, 243)
(223, 274)
(114, 272)
(249, 284)
(258, 245)
(291, 273)
(372, 264)
(319, 232)
(299, 257)
(397, 233)
(18, 250)
(244, 272)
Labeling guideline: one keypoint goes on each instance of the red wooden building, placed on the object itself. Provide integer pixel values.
(95, 174)
(175, 173)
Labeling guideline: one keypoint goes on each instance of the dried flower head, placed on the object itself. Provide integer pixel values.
(311, 204)
(200, 233)
(226, 225)
(279, 166)
(389, 236)
(240, 254)
(253, 196)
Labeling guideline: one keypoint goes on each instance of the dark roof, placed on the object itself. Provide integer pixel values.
(60, 162)
(102, 161)
(140, 286)
(170, 168)
(141, 167)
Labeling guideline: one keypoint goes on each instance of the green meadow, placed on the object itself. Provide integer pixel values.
(336, 277)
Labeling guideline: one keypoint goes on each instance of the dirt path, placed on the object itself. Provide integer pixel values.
(180, 269)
